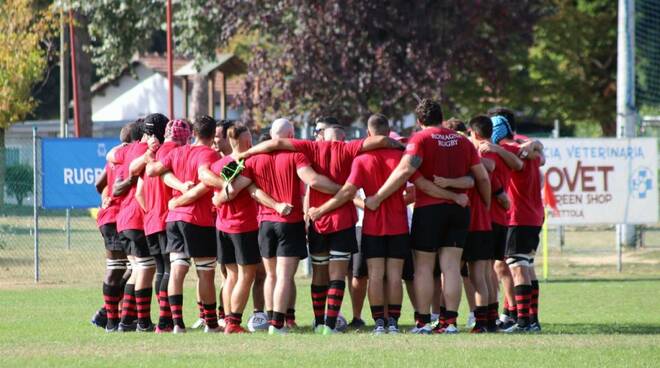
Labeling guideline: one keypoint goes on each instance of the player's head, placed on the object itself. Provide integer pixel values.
(137, 130)
(263, 137)
(428, 113)
(125, 133)
(281, 128)
(456, 125)
(154, 125)
(501, 129)
(506, 113)
(377, 124)
(334, 133)
(321, 124)
(239, 137)
(204, 128)
(220, 143)
(178, 131)
(481, 127)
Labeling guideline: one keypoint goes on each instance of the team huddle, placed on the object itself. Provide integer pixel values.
(454, 206)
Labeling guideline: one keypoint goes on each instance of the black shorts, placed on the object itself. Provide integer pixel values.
(192, 240)
(499, 241)
(386, 246)
(522, 240)
(111, 239)
(478, 246)
(408, 273)
(241, 248)
(358, 263)
(439, 225)
(281, 239)
(135, 242)
(339, 241)
(157, 243)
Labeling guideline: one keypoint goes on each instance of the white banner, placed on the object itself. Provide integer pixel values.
(603, 181)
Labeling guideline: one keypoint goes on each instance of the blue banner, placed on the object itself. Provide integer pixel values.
(69, 171)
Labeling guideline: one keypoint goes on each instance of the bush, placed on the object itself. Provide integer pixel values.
(19, 182)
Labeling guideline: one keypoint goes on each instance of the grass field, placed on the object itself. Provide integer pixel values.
(605, 323)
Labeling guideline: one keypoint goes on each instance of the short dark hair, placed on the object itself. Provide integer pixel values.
(429, 112)
(225, 124)
(457, 125)
(235, 130)
(125, 133)
(379, 124)
(329, 120)
(482, 125)
(155, 124)
(204, 126)
(508, 114)
(137, 130)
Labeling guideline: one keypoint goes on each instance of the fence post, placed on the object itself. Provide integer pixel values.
(35, 203)
(68, 229)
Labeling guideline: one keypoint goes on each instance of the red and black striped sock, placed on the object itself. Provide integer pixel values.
(221, 312)
(319, 297)
(277, 320)
(176, 305)
(523, 296)
(511, 309)
(481, 316)
(378, 312)
(111, 297)
(143, 302)
(165, 313)
(492, 315)
(128, 308)
(335, 298)
(442, 316)
(450, 318)
(269, 314)
(394, 311)
(534, 305)
(423, 320)
(234, 319)
(200, 306)
(290, 316)
(210, 315)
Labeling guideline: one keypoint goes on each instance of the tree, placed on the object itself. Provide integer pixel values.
(19, 182)
(23, 58)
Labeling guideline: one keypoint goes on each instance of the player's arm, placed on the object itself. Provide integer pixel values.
(155, 168)
(345, 194)
(231, 190)
(380, 141)
(531, 150)
(139, 194)
(189, 197)
(509, 158)
(488, 164)
(403, 171)
(101, 181)
(122, 186)
(409, 194)
(277, 144)
(140, 163)
(317, 181)
(210, 179)
(105, 198)
(358, 202)
(435, 191)
(463, 182)
(173, 182)
(482, 182)
(265, 199)
(110, 156)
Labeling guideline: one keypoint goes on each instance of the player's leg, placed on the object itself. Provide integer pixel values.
(270, 265)
(165, 323)
(358, 281)
(424, 263)
(510, 313)
(128, 321)
(179, 265)
(468, 287)
(376, 292)
(115, 268)
(521, 246)
(205, 267)
(477, 276)
(290, 317)
(239, 297)
(493, 305)
(320, 257)
(338, 269)
(145, 270)
(258, 303)
(286, 268)
(450, 260)
(535, 325)
(393, 272)
(229, 285)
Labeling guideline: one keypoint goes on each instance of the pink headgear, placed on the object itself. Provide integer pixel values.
(178, 130)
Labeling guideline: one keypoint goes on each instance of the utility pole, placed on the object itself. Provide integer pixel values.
(64, 79)
(625, 99)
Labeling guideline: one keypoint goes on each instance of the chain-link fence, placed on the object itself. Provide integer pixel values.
(71, 249)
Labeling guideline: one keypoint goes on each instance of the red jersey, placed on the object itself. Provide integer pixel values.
(184, 161)
(276, 174)
(525, 194)
(480, 219)
(332, 159)
(370, 170)
(500, 179)
(238, 215)
(130, 216)
(108, 215)
(444, 153)
(156, 195)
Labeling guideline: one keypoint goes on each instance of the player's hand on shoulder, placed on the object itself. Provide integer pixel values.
(486, 147)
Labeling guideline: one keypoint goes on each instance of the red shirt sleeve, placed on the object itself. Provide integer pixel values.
(414, 147)
(474, 155)
(300, 160)
(120, 154)
(217, 166)
(208, 158)
(357, 174)
(305, 147)
(249, 167)
(169, 158)
(354, 147)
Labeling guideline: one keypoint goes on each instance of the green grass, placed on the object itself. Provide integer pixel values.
(604, 323)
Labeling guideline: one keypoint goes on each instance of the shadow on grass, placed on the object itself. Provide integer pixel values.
(580, 280)
(553, 329)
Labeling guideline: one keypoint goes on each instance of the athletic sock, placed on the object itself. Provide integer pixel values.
(416, 317)
(290, 316)
(319, 297)
(394, 311)
(210, 315)
(523, 296)
(378, 312)
(492, 315)
(221, 312)
(111, 297)
(442, 319)
(234, 319)
(450, 318)
(534, 305)
(423, 319)
(165, 313)
(481, 317)
(335, 297)
(269, 314)
(278, 320)
(128, 308)
(200, 306)
(143, 302)
(176, 305)
(512, 310)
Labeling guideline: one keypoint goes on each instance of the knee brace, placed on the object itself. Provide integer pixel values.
(519, 260)
(205, 265)
(179, 259)
(320, 260)
(116, 264)
(339, 256)
(145, 263)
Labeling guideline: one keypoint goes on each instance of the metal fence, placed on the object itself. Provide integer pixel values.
(71, 249)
